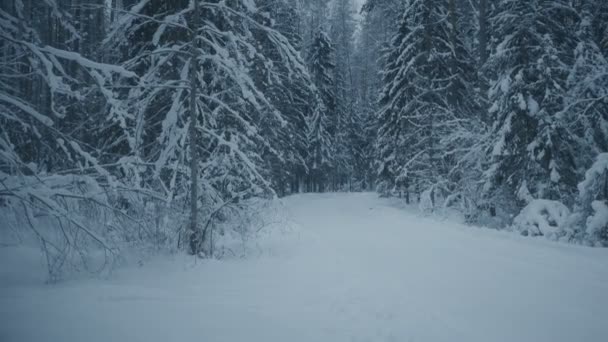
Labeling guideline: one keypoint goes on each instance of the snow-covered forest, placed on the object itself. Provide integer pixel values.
(153, 122)
(192, 127)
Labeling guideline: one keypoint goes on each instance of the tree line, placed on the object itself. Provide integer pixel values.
(129, 121)
(121, 118)
(494, 107)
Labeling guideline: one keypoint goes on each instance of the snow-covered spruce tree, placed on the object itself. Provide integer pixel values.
(51, 175)
(284, 18)
(359, 133)
(314, 15)
(532, 155)
(428, 88)
(320, 155)
(377, 26)
(587, 114)
(599, 23)
(292, 96)
(461, 145)
(384, 13)
(323, 124)
(380, 22)
(391, 145)
(341, 31)
(211, 47)
(587, 102)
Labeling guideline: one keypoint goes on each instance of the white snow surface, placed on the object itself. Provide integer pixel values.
(358, 269)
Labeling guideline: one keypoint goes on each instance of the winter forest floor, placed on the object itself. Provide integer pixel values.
(358, 269)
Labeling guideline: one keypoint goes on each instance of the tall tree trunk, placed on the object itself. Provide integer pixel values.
(483, 32)
(482, 37)
(454, 59)
(195, 236)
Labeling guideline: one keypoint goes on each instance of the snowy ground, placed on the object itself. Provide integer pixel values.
(359, 270)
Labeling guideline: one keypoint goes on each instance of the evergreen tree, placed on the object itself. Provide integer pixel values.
(291, 95)
(227, 121)
(428, 87)
(320, 150)
(48, 167)
(587, 83)
(342, 30)
(379, 22)
(599, 23)
(531, 154)
(323, 124)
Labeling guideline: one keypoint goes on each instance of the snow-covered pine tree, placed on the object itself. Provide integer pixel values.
(378, 26)
(587, 83)
(323, 124)
(461, 146)
(599, 23)
(390, 144)
(379, 22)
(390, 10)
(292, 96)
(54, 179)
(428, 88)
(532, 155)
(284, 17)
(342, 30)
(320, 146)
(233, 113)
(314, 14)
(586, 114)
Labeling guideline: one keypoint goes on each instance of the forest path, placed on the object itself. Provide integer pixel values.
(360, 270)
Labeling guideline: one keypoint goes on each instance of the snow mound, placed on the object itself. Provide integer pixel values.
(542, 217)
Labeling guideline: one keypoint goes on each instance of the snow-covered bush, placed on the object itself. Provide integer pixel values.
(542, 217)
(68, 215)
(597, 223)
(591, 211)
(426, 202)
(250, 229)
(384, 188)
(238, 229)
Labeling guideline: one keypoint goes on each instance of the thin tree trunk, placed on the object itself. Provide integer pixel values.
(195, 236)
(483, 32)
(454, 58)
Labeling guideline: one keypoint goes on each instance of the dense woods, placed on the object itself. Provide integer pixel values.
(486, 106)
(158, 123)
